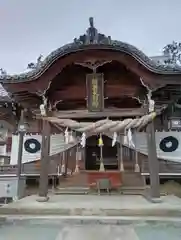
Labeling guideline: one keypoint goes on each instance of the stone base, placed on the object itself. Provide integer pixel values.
(154, 200)
(148, 197)
(42, 199)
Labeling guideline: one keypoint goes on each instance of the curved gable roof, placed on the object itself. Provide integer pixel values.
(91, 40)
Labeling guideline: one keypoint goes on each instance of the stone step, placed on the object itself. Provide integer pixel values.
(132, 179)
(66, 192)
(75, 180)
(86, 190)
(71, 190)
(132, 190)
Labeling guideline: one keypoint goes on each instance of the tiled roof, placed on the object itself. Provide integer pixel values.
(160, 59)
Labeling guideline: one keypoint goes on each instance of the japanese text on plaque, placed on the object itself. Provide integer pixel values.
(95, 94)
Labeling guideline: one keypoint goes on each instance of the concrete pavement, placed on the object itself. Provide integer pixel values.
(56, 229)
(88, 205)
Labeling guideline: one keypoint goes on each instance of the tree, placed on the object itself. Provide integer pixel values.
(173, 52)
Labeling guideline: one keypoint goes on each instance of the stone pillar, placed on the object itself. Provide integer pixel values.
(153, 164)
(100, 143)
(44, 166)
(67, 154)
(136, 166)
(101, 168)
(121, 161)
(78, 158)
(63, 163)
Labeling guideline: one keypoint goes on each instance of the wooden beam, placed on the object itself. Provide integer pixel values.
(130, 112)
(79, 92)
(20, 145)
(115, 112)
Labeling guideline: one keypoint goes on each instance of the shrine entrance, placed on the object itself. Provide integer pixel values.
(93, 154)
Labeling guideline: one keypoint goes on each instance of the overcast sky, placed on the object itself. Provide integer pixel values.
(34, 27)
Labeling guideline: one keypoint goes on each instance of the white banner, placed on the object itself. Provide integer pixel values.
(32, 147)
(168, 144)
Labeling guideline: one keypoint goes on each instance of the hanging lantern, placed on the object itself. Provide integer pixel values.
(100, 141)
(114, 139)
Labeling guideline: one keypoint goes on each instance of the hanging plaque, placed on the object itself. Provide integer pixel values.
(95, 92)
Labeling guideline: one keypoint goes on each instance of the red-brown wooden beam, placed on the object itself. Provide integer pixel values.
(79, 92)
(106, 113)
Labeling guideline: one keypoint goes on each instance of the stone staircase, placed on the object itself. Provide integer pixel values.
(132, 179)
(73, 184)
(133, 183)
(74, 180)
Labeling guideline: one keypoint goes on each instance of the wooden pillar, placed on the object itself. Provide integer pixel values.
(45, 149)
(153, 163)
(21, 133)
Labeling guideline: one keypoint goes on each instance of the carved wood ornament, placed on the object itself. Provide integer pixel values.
(93, 64)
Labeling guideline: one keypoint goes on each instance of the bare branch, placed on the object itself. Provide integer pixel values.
(151, 102)
(146, 86)
(139, 100)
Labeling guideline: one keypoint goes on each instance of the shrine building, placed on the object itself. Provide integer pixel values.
(93, 109)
